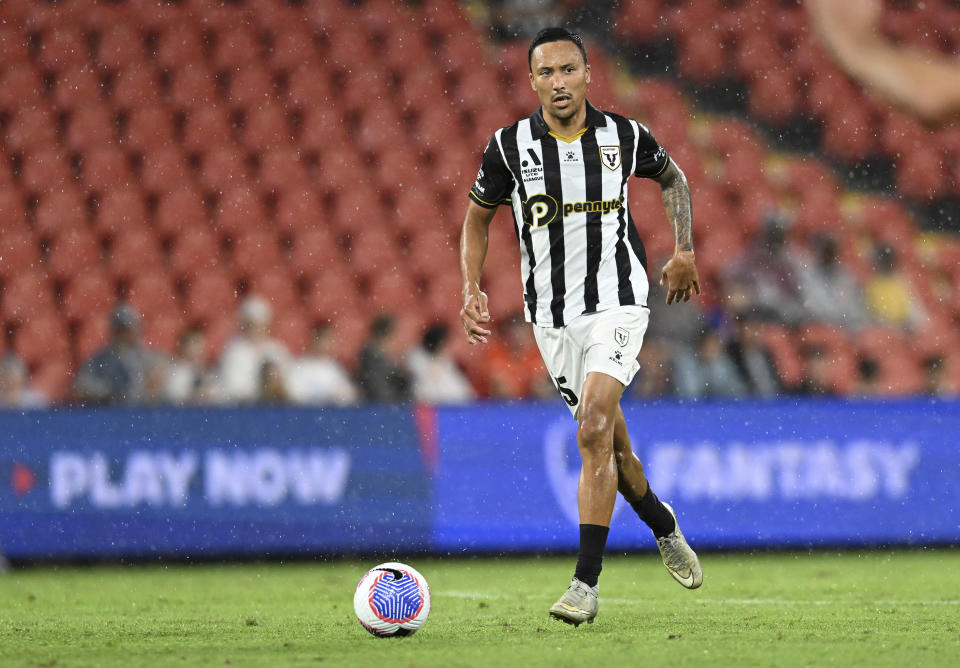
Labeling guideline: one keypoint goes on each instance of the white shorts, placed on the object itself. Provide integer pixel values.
(608, 342)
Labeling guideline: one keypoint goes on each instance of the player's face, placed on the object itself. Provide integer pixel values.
(560, 77)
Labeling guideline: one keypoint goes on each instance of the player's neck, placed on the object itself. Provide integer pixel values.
(567, 127)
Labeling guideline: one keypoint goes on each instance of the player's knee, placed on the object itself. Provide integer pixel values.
(595, 433)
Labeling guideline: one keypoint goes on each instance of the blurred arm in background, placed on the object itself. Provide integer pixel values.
(923, 82)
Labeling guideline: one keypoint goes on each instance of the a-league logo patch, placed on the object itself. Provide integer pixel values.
(610, 156)
(622, 336)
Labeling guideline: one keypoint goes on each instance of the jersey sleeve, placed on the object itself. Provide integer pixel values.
(651, 158)
(494, 181)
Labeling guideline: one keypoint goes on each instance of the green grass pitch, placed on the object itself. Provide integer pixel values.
(794, 609)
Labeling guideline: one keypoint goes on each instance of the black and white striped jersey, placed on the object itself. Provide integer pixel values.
(580, 251)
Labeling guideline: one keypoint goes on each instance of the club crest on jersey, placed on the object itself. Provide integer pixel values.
(622, 336)
(610, 156)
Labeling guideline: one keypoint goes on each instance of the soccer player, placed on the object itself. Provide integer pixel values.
(564, 173)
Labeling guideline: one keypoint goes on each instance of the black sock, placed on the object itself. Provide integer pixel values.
(654, 514)
(593, 540)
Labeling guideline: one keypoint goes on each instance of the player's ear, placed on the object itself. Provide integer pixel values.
(587, 68)
(533, 84)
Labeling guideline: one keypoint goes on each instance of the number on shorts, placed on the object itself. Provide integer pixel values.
(566, 392)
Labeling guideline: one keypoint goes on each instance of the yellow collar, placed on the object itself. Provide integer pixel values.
(570, 139)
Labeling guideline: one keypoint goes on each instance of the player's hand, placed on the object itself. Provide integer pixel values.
(680, 277)
(474, 315)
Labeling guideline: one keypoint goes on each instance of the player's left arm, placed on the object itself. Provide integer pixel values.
(680, 273)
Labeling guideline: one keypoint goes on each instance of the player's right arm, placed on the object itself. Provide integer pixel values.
(493, 187)
(474, 314)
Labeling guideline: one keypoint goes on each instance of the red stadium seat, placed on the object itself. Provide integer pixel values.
(136, 86)
(72, 252)
(332, 295)
(148, 128)
(638, 21)
(42, 339)
(775, 96)
(19, 252)
(150, 292)
(120, 45)
(27, 295)
(134, 252)
(281, 170)
(20, 85)
(308, 88)
(292, 48)
(119, 210)
(180, 209)
(251, 86)
(105, 168)
(58, 211)
(356, 210)
(52, 378)
(921, 176)
(266, 128)
(89, 293)
(292, 328)
(76, 87)
(224, 168)
(31, 128)
(315, 251)
(206, 128)
(392, 291)
(195, 250)
(255, 251)
(239, 209)
(373, 253)
(211, 296)
(62, 47)
(276, 285)
(90, 126)
(236, 46)
(299, 208)
(164, 169)
(322, 130)
(161, 331)
(45, 168)
(179, 45)
(13, 45)
(192, 86)
(12, 209)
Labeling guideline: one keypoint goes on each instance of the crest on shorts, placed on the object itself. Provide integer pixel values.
(622, 336)
(610, 156)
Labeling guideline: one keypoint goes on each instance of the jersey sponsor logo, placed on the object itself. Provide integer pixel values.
(531, 173)
(540, 210)
(597, 206)
(610, 156)
(479, 188)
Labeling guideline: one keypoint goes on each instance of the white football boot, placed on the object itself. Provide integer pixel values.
(577, 605)
(678, 557)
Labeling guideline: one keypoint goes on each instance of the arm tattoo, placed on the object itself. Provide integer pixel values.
(675, 192)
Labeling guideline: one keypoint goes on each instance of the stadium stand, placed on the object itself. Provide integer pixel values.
(183, 154)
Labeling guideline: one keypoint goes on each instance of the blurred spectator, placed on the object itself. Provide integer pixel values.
(244, 355)
(117, 373)
(771, 270)
(709, 373)
(190, 380)
(379, 377)
(830, 292)
(15, 388)
(514, 366)
(922, 81)
(888, 292)
(935, 376)
(654, 379)
(681, 326)
(317, 377)
(436, 377)
(272, 389)
(868, 372)
(752, 358)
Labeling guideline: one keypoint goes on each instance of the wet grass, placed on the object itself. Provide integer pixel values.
(869, 609)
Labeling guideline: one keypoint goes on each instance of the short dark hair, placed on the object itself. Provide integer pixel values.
(555, 34)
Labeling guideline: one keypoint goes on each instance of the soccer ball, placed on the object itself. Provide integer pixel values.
(392, 599)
